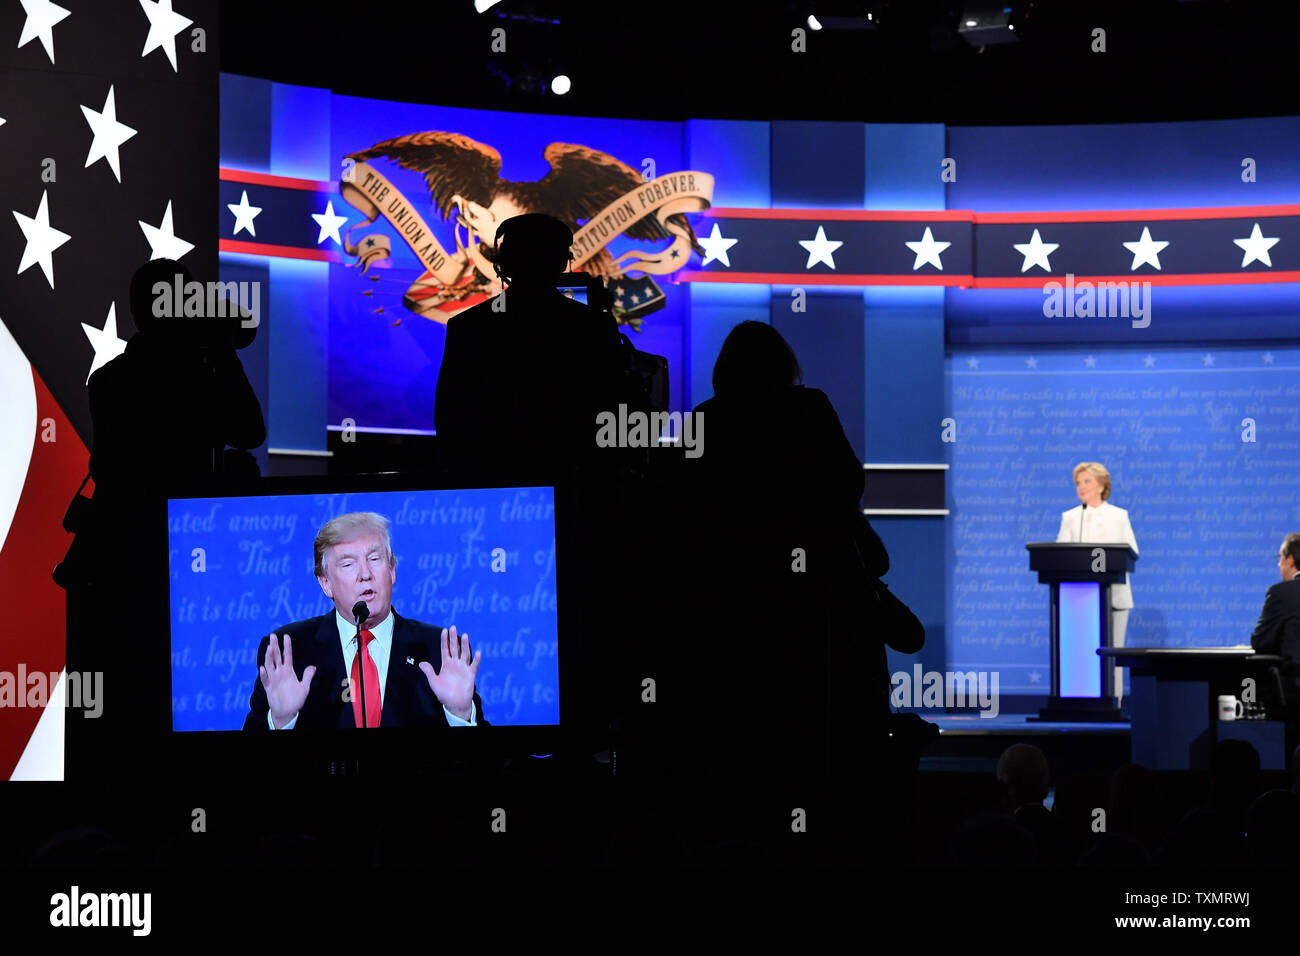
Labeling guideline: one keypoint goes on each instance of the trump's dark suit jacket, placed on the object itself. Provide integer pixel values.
(408, 701)
(1278, 632)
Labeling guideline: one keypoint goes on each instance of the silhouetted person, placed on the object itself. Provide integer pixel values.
(523, 378)
(1278, 631)
(791, 684)
(1134, 807)
(992, 840)
(1273, 829)
(162, 413)
(165, 409)
(1023, 773)
(1204, 837)
(525, 373)
(1234, 778)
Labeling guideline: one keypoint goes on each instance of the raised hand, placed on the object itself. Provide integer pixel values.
(285, 693)
(454, 684)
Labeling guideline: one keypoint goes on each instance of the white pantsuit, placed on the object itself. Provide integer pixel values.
(1106, 524)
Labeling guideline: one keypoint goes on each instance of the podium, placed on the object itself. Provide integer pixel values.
(1080, 576)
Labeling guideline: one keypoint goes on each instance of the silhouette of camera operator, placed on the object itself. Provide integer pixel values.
(524, 374)
(163, 413)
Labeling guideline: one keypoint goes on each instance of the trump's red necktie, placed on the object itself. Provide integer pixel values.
(373, 701)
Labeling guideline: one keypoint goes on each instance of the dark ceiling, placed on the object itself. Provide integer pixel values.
(1164, 59)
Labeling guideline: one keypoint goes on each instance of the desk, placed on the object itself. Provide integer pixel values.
(1173, 701)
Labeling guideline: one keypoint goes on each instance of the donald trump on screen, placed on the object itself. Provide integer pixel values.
(310, 674)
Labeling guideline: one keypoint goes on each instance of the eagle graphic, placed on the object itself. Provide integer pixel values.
(464, 177)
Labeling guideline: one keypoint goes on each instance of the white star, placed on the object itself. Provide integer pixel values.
(329, 223)
(1035, 677)
(2, 121)
(104, 341)
(820, 249)
(972, 363)
(1031, 362)
(42, 240)
(164, 24)
(1255, 248)
(162, 238)
(1036, 252)
(1149, 361)
(1145, 250)
(715, 247)
(42, 16)
(108, 133)
(1268, 358)
(927, 251)
(1207, 360)
(244, 215)
(1090, 362)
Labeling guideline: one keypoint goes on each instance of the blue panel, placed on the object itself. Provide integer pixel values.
(299, 354)
(817, 165)
(828, 341)
(912, 544)
(1205, 313)
(903, 356)
(1171, 722)
(737, 153)
(1080, 631)
(300, 133)
(1129, 166)
(903, 166)
(257, 358)
(245, 122)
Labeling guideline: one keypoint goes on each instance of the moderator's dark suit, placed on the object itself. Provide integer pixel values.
(1278, 632)
(408, 701)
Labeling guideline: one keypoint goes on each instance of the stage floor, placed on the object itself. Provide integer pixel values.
(969, 743)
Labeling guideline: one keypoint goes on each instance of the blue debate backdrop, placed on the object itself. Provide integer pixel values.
(257, 575)
(1203, 448)
(894, 359)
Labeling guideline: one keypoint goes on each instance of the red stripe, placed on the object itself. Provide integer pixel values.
(966, 215)
(35, 544)
(1155, 278)
(284, 252)
(283, 182)
(991, 282)
(1141, 215)
(820, 278)
(843, 215)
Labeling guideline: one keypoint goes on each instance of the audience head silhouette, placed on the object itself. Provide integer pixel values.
(1022, 770)
(532, 248)
(754, 358)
